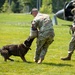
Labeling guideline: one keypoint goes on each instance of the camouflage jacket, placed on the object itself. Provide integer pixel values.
(43, 24)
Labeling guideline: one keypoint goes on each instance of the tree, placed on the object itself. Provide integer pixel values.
(1, 4)
(5, 6)
(22, 6)
(46, 6)
(17, 6)
(49, 6)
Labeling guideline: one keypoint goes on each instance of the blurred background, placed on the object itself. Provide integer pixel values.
(25, 6)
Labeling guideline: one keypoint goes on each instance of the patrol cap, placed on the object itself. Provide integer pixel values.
(34, 9)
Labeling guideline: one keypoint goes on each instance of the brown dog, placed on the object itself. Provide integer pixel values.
(16, 50)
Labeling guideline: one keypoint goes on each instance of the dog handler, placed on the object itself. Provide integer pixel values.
(42, 28)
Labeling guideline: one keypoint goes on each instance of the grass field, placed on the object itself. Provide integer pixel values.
(15, 28)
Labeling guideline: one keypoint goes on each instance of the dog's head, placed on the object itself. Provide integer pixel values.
(28, 42)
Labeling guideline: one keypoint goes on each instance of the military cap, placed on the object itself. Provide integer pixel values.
(34, 9)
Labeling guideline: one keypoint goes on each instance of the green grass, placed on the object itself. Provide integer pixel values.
(15, 28)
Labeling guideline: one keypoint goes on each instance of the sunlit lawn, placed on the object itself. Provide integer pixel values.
(15, 28)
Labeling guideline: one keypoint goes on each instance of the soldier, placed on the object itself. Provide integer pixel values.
(72, 42)
(71, 46)
(42, 28)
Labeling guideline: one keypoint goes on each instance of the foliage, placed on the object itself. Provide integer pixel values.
(5, 7)
(1, 3)
(47, 6)
(22, 6)
(18, 6)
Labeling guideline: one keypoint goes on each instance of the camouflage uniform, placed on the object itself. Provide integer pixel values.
(71, 47)
(72, 44)
(43, 24)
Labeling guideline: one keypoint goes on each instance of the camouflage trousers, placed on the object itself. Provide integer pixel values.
(42, 47)
(72, 45)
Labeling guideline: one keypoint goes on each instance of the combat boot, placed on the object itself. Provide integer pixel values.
(68, 57)
(40, 61)
(35, 60)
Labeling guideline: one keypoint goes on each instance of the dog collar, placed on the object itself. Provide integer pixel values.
(24, 44)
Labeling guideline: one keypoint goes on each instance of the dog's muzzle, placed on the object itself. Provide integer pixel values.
(26, 46)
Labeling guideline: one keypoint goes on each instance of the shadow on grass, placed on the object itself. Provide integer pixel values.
(66, 25)
(51, 64)
(59, 64)
(23, 62)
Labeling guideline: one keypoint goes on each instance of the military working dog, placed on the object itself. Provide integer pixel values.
(16, 50)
